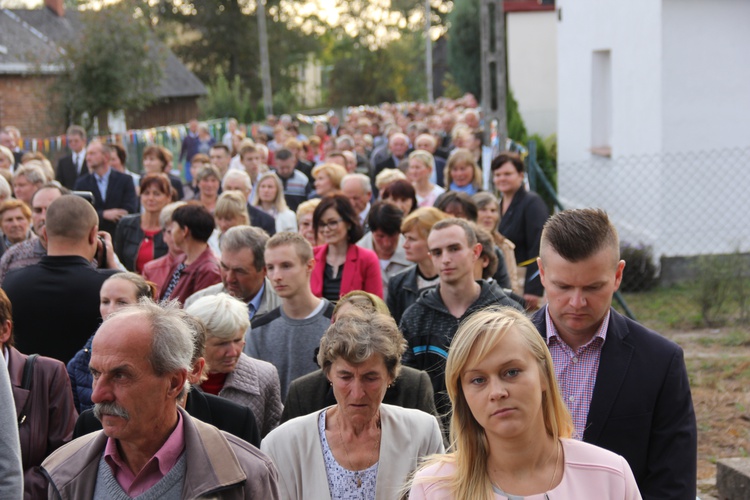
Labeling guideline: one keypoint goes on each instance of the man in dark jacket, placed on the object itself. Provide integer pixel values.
(430, 324)
(114, 193)
(626, 386)
(56, 302)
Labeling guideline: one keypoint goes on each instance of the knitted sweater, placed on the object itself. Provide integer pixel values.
(288, 344)
(167, 488)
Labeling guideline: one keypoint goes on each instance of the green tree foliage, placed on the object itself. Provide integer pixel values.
(464, 46)
(213, 35)
(361, 75)
(227, 100)
(114, 64)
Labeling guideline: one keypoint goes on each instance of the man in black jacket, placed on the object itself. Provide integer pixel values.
(56, 302)
(430, 324)
(73, 166)
(626, 386)
(114, 193)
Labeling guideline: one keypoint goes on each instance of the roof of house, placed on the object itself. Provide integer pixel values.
(31, 42)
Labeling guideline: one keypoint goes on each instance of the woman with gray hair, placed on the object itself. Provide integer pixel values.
(27, 179)
(231, 373)
(359, 447)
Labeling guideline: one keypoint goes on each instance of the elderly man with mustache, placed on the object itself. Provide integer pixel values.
(149, 446)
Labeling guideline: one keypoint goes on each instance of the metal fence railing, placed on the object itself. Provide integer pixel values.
(663, 205)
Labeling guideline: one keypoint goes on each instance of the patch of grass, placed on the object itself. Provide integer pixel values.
(712, 372)
(731, 338)
(665, 308)
(676, 308)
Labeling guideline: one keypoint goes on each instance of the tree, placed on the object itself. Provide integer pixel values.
(227, 100)
(464, 47)
(115, 64)
(222, 35)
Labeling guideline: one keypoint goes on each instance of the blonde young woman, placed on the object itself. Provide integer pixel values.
(421, 165)
(510, 429)
(269, 197)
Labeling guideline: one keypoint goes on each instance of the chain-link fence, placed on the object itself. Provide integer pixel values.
(665, 206)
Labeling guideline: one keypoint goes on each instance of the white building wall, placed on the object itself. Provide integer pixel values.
(706, 74)
(678, 176)
(532, 68)
(631, 31)
(706, 125)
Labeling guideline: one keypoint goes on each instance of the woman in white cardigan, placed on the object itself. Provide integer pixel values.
(358, 448)
(268, 196)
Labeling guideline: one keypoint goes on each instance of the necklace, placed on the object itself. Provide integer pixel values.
(357, 477)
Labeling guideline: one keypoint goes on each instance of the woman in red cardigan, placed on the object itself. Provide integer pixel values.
(340, 265)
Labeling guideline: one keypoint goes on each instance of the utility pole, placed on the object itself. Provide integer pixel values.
(494, 80)
(265, 67)
(428, 49)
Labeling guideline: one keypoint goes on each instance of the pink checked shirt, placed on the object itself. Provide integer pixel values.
(576, 371)
(154, 470)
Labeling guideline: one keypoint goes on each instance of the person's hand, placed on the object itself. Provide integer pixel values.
(114, 214)
(109, 252)
(533, 302)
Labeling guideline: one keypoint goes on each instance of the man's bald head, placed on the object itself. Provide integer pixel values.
(70, 217)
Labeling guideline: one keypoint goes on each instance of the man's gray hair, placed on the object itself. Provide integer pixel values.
(346, 140)
(172, 341)
(241, 237)
(239, 174)
(361, 178)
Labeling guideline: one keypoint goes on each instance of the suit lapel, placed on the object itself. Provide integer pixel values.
(613, 366)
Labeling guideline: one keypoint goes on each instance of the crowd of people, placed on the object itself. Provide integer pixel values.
(345, 315)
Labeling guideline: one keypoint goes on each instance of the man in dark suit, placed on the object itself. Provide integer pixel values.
(398, 145)
(56, 302)
(259, 218)
(73, 166)
(626, 386)
(114, 193)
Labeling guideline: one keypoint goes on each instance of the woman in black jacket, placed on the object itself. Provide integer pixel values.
(138, 239)
(522, 217)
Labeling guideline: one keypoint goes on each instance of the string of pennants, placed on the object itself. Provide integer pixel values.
(162, 136)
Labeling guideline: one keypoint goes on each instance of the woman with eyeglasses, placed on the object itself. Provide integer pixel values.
(340, 265)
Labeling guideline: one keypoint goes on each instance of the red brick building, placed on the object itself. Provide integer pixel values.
(29, 49)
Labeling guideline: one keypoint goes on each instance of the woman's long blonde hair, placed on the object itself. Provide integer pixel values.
(469, 446)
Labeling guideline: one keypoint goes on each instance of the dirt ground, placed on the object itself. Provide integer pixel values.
(718, 363)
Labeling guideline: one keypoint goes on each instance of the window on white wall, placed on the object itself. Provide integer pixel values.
(601, 103)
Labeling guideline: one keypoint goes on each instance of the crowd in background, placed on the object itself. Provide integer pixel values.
(262, 237)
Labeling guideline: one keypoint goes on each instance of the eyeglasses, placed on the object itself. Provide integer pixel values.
(331, 224)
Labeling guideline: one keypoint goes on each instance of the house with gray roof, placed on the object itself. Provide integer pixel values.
(31, 41)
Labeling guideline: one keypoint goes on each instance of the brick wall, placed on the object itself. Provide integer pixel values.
(30, 103)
